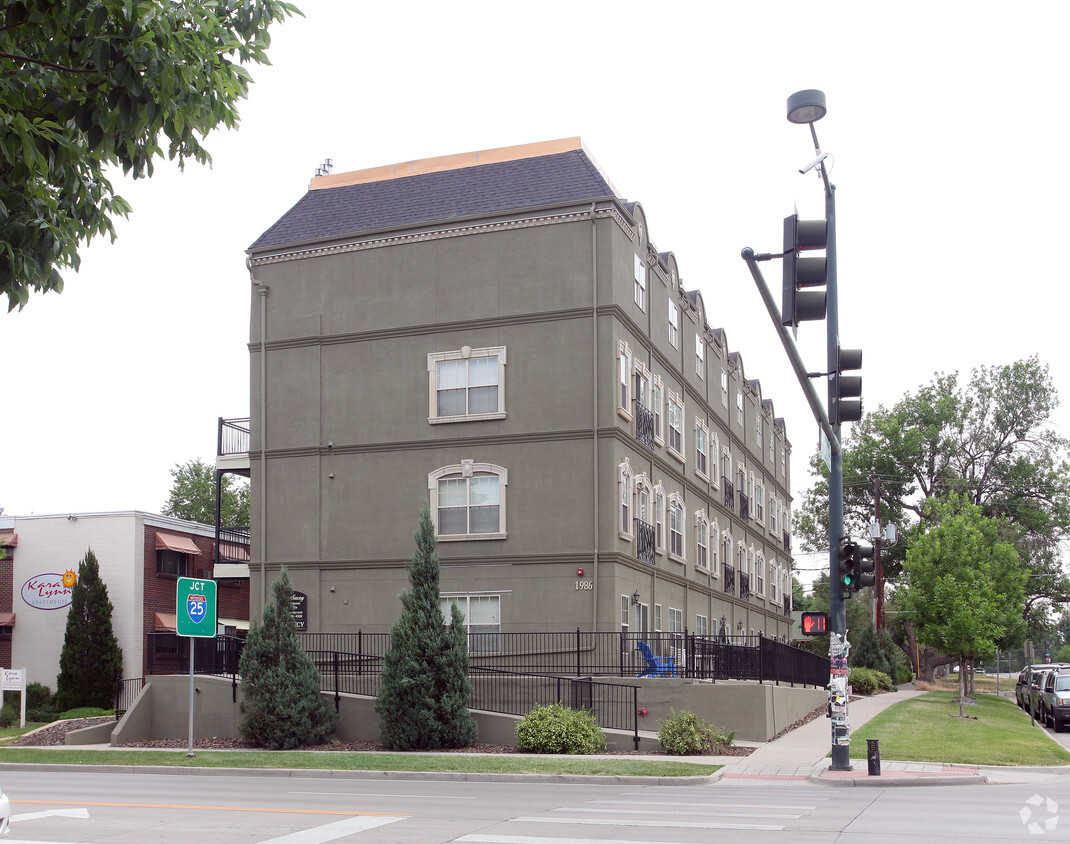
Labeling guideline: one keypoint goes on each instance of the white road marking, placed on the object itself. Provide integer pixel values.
(660, 824)
(51, 813)
(331, 831)
(707, 805)
(689, 814)
(529, 839)
(371, 794)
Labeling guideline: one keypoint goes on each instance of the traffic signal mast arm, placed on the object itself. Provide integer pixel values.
(790, 348)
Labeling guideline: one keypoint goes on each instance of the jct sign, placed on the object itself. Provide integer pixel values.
(196, 608)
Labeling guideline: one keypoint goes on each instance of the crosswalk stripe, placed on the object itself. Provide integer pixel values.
(331, 831)
(689, 814)
(482, 838)
(660, 824)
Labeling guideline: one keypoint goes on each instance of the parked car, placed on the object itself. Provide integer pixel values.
(1021, 688)
(5, 813)
(1036, 687)
(1055, 699)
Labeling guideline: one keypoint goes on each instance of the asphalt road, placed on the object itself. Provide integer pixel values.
(92, 807)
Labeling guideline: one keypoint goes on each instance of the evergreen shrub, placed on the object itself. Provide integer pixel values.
(558, 729)
(685, 734)
(866, 681)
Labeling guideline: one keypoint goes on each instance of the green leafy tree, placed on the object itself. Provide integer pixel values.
(989, 440)
(91, 658)
(423, 700)
(281, 703)
(90, 84)
(192, 496)
(964, 587)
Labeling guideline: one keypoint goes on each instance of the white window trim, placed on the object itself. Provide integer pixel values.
(464, 353)
(700, 357)
(626, 493)
(674, 324)
(715, 459)
(700, 427)
(740, 414)
(660, 514)
(641, 483)
(759, 574)
(624, 365)
(702, 521)
(657, 398)
(466, 469)
(724, 388)
(759, 503)
(677, 400)
(640, 282)
(677, 501)
(715, 547)
(752, 497)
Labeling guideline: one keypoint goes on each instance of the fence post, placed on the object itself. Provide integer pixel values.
(337, 697)
(577, 652)
(635, 716)
(360, 653)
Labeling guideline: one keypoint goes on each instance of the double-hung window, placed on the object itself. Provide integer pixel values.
(700, 356)
(640, 283)
(657, 399)
(625, 483)
(702, 541)
(676, 527)
(482, 618)
(468, 501)
(702, 445)
(467, 384)
(674, 324)
(676, 425)
(724, 388)
(759, 503)
(739, 407)
(624, 369)
(761, 575)
(659, 518)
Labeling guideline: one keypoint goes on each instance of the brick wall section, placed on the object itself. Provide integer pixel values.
(7, 597)
(232, 601)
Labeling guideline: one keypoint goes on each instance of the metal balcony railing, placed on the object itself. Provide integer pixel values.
(787, 541)
(729, 579)
(729, 495)
(744, 585)
(645, 538)
(744, 506)
(644, 424)
(233, 545)
(233, 437)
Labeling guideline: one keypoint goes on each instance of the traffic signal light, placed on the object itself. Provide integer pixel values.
(846, 389)
(802, 305)
(856, 565)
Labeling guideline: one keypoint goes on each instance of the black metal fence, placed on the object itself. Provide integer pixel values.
(354, 658)
(126, 692)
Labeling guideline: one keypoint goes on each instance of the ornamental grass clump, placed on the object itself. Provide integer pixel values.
(685, 734)
(559, 729)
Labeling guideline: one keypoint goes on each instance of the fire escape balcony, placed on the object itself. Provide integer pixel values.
(744, 506)
(644, 542)
(744, 585)
(729, 495)
(729, 579)
(644, 424)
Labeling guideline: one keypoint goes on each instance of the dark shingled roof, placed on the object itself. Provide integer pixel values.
(432, 197)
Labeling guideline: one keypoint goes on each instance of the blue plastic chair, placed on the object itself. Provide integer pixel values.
(656, 666)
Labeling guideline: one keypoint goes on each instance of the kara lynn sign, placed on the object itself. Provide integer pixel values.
(50, 591)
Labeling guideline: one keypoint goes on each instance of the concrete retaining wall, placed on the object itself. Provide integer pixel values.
(754, 712)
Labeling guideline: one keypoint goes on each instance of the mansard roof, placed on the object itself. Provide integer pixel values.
(439, 189)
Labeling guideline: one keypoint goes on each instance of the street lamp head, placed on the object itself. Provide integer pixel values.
(806, 106)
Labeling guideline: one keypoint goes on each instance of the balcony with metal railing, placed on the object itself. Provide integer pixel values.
(744, 506)
(744, 586)
(644, 424)
(232, 446)
(729, 495)
(644, 542)
(787, 541)
(729, 579)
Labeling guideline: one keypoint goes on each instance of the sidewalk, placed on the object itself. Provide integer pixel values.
(802, 755)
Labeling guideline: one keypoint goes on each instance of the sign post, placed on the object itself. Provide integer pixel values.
(15, 681)
(195, 613)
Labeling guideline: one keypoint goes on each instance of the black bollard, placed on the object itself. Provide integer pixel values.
(873, 755)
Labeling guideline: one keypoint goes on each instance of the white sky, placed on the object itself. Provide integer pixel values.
(948, 123)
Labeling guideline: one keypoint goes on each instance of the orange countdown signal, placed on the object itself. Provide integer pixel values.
(815, 623)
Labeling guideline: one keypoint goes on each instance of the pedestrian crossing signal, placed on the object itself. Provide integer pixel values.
(815, 623)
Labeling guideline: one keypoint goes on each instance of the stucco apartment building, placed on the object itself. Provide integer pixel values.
(496, 335)
(141, 556)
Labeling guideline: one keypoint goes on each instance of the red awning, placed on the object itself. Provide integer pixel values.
(9, 540)
(171, 542)
(166, 622)
(7, 619)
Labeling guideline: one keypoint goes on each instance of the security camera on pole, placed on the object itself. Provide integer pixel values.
(801, 303)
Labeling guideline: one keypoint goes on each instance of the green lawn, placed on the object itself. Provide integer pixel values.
(927, 729)
(341, 761)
